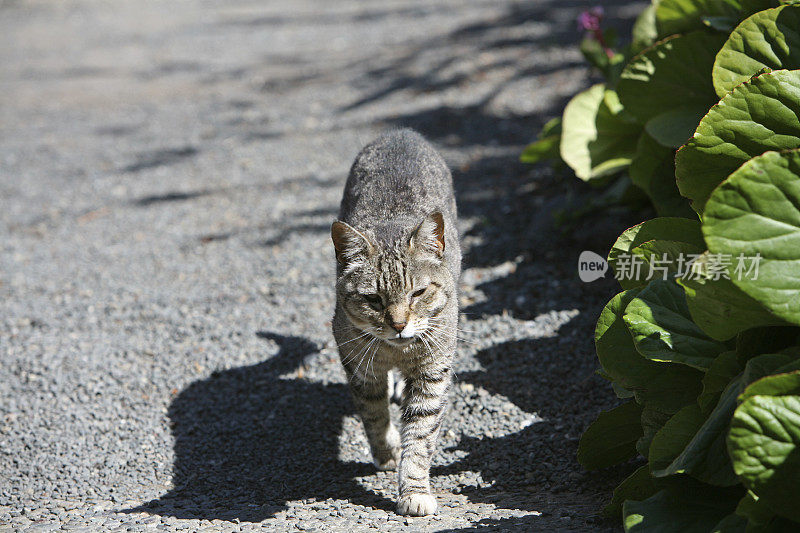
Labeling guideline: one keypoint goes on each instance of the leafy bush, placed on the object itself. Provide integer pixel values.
(704, 341)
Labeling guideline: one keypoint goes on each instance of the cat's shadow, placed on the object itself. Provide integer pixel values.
(247, 442)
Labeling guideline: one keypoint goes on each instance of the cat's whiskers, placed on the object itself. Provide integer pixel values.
(441, 321)
(355, 339)
(433, 340)
(355, 372)
(443, 331)
(358, 350)
(372, 360)
(425, 342)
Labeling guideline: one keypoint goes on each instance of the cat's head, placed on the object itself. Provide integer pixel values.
(394, 288)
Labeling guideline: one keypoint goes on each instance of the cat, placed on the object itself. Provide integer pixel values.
(398, 264)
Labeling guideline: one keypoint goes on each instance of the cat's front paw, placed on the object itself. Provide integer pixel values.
(416, 504)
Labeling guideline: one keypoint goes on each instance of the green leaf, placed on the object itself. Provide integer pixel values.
(547, 145)
(663, 228)
(674, 127)
(662, 386)
(765, 365)
(653, 420)
(638, 486)
(621, 392)
(756, 213)
(754, 6)
(769, 39)
(785, 383)
(644, 30)
(705, 457)
(760, 518)
(595, 141)
(733, 523)
(671, 512)
(757, 341)
(757, 116)
(653, 170)
(541, 150)
(764, 444)
(672, 439)
(673, 74)
(662, 328)
(719, 307)
(611, 439)
(721, 372)
(680, 16)
(754, 510)
(663, 259)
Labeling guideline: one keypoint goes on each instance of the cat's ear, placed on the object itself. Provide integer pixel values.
(429, 235)
(350, 243)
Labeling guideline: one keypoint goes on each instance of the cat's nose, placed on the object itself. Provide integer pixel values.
(398, 326)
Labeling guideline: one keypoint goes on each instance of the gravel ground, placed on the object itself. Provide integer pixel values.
(168, 175)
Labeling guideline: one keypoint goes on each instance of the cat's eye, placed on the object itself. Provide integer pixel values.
(418, 293)
(373, 300)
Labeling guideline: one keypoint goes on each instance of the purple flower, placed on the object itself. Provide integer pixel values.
(590, 20)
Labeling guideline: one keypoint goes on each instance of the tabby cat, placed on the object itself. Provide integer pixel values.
(398, 264)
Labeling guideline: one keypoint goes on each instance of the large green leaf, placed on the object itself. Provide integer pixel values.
(764, 445)
(596, 139)
(670, 511)
(663, 228)
(719, 307)
(637, 486)
(664, 259)
(680, 16)
(757, 116)
(705, 457)
(663, 330)
(769, 39)
(756, 214)
(674, 127)
(611, 438)
(670, 80)
(653, 170)
(663, 386)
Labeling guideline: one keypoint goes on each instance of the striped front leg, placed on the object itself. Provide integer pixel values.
(423, 408)
(371, 397)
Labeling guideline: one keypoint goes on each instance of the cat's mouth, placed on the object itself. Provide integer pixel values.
(400, 341)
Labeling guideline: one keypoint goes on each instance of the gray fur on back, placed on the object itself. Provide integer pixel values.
(396, 181)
